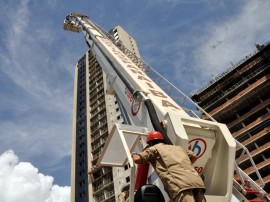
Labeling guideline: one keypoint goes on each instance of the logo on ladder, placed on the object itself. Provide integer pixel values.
(197, 146)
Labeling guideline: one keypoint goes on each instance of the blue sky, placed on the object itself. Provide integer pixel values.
(187, 41)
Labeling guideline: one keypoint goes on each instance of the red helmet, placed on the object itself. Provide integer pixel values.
(154, 135)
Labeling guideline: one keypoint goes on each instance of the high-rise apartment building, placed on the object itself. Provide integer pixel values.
(120, 34)
(94, 114)
(240, 98)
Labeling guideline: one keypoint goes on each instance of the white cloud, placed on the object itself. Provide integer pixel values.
(59, 194)
(21, 182)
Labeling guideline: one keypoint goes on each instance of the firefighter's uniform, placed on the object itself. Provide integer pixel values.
(174, 168)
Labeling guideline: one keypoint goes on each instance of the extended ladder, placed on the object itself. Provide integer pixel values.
(244, 186)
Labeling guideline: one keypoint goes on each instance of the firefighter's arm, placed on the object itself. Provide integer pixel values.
(137, 158)
(145, 156)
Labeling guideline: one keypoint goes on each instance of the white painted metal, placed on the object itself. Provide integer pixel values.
(121, 141)
(214, 165)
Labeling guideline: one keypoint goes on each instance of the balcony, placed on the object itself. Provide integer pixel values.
(260, 166)
(260, 137)
(107, 173)
(251, 125)
(217, 89)
(255, 154)
(265, 179)
(109, 194)
(244, 94)
(99, 117)
(95, 156)
(250, 113)
(95, 135)
(104, 195)
(101, 198)
(106, 182)
(98, 145)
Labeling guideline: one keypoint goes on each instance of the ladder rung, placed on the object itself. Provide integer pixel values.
(251, 191)
(239, 180)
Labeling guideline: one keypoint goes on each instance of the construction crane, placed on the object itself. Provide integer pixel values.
(148, 107)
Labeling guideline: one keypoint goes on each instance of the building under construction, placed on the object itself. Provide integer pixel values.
(240, 98)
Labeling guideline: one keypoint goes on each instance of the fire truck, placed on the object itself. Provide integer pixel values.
(147, 107)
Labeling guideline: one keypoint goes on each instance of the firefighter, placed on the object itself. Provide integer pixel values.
(173, 165)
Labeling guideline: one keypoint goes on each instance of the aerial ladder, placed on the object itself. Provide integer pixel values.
(147, 106)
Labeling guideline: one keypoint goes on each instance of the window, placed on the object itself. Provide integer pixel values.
(81, 163)
(82, 194)
(81, 173)
(82, 183)
(82, 154)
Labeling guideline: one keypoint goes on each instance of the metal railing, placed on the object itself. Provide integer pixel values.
(241, 173)
(234, 66)
(238, 84)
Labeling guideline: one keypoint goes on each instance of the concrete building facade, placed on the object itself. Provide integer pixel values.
(119, 34)
(94, 114)
(240, 98)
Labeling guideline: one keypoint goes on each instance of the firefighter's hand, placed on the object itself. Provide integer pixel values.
(136, 158)
(193, 158)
